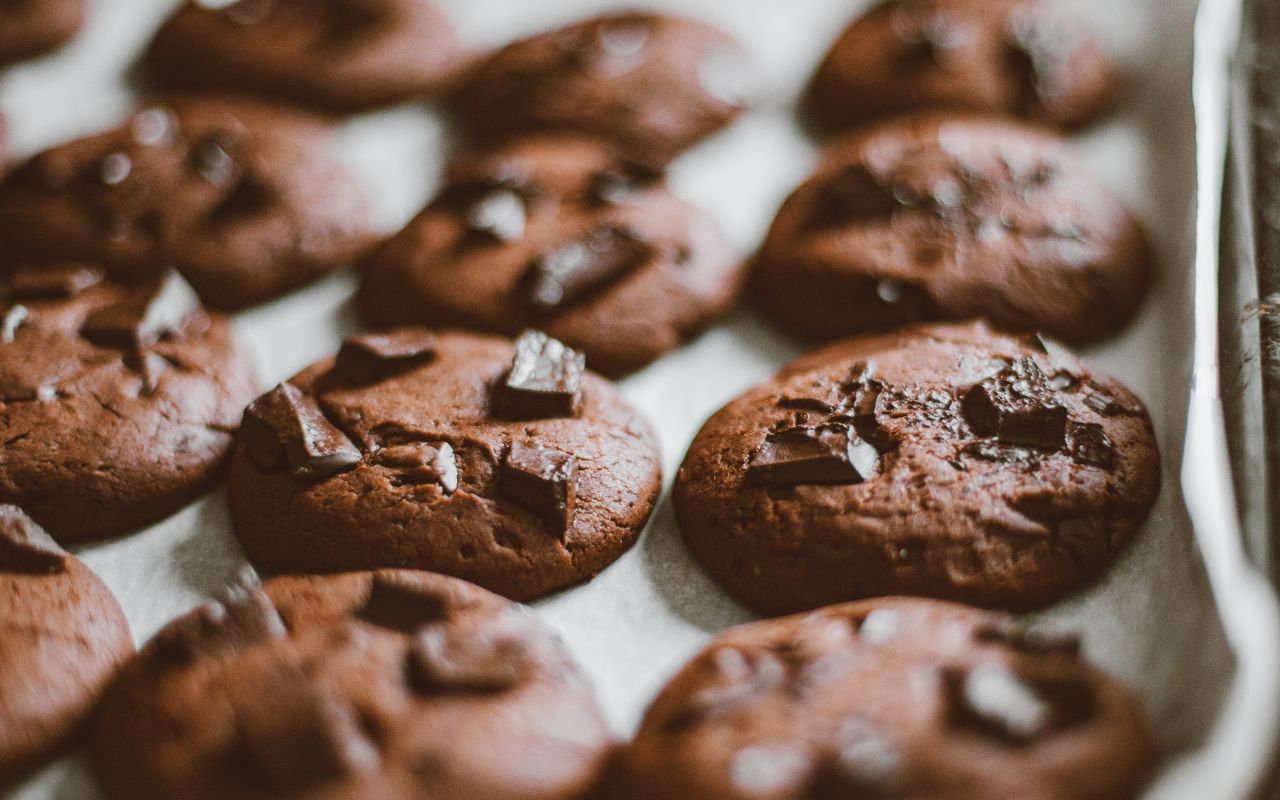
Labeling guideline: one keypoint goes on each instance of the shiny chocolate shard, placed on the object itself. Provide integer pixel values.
(242, 618)
(545, 379)
(40, 283)
(570, 271)
(1090, 445)
(1103, 403)
(422, 463)
(1017, 406)
(542, 480)
(370, 357)
(831, 453)
(490, 657)
(157, 309)
(399, 603)
(1016, 708)
(25, 546)
(285, 427)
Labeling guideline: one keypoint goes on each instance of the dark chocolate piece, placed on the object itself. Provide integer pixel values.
(856, 195)
(614, 185)
(831, 453)
(285, 426)
(25, 546)
(571, 271)
(480, 660)
(1025, 640)
(53, 282)
(545, 379)
(1103, 403)
(739, 676)
(1019, 709)
(1090, 445)
(211, 159)
(806, 404)
(1017, 406)
(149, 366)
(1001, 453)
(422, 463)
(243, 618)
(373, 356)
(499, 215)
(862, 763)
(162, 307)
(542, 480)
(402, 605)
(13, 319)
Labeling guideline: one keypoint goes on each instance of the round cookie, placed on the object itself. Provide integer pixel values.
(655, 84)
(946, 461)
(509, 466)
(904, 698)
(30, 28)
(945, 217)
(1020, 58)
(118, 403)
(337, 55)
(64, 635)
(563, 234)
(247, 201)
(363, 686)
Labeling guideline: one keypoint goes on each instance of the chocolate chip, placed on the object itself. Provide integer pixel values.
(542, 480)
(1089, 445)
(1001, 453)
(736, 677)
(422, 463)
(488, 658)
(863, 763)
(1064, 381)
(855, 194)
(545, 379)
(1103, 403)
(1017, 709)
(244, 617)
(806, 404)
(53, 282)
(400, 603)
(500, 215)
(831, 453)
(614, 185)
(211, 159)
(374, 356)
(1017, 406)
(25, 546)
(286, 427)
(925, 40)
(298, 735)
(1025, 640)
(573, 270)
(162, 307)
(14, 318)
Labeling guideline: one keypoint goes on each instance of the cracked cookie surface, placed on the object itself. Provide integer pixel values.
(510, 466)
(363, 686)
(118, 402)
(943, 461)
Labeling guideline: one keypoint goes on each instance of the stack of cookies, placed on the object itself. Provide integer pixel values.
(939, 459)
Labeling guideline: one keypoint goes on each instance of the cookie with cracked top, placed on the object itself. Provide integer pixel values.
(949, 218)
(383, 685)
(337, 55)
(247, 201)
(1023, 58)
(30, 28)
(654, 84)
(64, 635)
(506, 464)
(563, 234)
(943, 461)
(899, 697)
(119, 401)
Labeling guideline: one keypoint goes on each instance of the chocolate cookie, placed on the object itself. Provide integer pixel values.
(364, 686)
(511, 467)
(62, 635)
(246, 201)
(653, 83)
(944, 217)
(338, 55)
(562, 234)
(29, 28)
(945, 461)
(904, 698)
(118, 403)
(1017, 57)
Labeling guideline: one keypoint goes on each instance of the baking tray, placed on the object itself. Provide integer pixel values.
(1182, 617)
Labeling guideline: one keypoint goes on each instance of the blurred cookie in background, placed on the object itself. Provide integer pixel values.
(30, 28)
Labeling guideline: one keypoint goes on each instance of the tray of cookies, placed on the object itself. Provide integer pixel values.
(588, 400)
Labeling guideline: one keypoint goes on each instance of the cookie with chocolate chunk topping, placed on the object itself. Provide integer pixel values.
(903, 698)
(384, 685)
(507, 464)
(944, 461)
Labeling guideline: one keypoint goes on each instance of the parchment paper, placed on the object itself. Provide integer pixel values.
(1152, 621)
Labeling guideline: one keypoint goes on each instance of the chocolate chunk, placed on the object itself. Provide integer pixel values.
(855, 195)
(1064, 381)
(1001, 454)
(1018, 709)
(371, 357)
(149, 366)
(13, 319)
(499, 215)
(286, 427)
(1090, 445)
(573, 270)
(400, 604)
(422, 463)
(545, 379)
(738, 676)
(211, 159)
(542, 480)
(863, 763)
(25, 546)
(1017, 406)
(926, 41)
(160, 308)
(53, 282)
(491, 658)
(297, 734)
(244, 617)
(1103, 403)
(616, 184)
(828, 453)
(806, 404)
(1025, 640)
